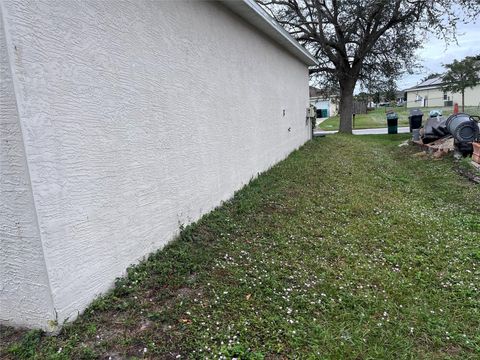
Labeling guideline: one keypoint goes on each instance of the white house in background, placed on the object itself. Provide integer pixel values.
(101, 157)
(323, 102)
(429, 93)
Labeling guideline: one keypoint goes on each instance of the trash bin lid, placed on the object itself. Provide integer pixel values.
(392, 115)
(416, 112)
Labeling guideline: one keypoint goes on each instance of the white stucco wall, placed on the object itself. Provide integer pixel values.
(25, 297)
(138, 116)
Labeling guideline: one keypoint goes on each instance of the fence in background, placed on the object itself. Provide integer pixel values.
(359, 107)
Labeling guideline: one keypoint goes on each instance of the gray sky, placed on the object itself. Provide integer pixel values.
(435, 52)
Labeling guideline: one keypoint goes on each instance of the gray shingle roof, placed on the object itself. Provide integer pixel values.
(430, 83)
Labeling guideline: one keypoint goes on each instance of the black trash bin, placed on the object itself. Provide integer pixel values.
(392, 123)
(415, 119)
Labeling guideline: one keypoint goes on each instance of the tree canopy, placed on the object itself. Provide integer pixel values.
(431, 76)
(371, 41)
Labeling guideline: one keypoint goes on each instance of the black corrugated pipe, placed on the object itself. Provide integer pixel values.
(463, 127)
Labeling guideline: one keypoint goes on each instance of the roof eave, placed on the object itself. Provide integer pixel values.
(251, 12)
(425, 87)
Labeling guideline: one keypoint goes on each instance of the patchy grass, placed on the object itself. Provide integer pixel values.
(377, 118)
(467, 169)
(350, 249)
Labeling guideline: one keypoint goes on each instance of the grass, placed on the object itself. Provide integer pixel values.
(352, 248)
(467, 169)
(377, 118)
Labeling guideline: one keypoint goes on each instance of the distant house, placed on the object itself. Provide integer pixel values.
(327, 105)
(429, 93)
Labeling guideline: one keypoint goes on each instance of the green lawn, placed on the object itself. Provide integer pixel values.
(352, 248)
(377, 117)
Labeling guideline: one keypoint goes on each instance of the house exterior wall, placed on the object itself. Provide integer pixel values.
(429, 98)
(138, 117)
(334, 107)
(24, 290)
(323, 104)
(472, 97)
(330, 104)
(436, 99)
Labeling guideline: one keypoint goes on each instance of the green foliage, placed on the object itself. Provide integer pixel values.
(391, 93)
(431, 76)
(363, 96)
(87, 354)
(27, 347)
(240, 352)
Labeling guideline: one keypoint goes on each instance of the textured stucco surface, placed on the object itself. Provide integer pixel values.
(138, 116)
(24, 292)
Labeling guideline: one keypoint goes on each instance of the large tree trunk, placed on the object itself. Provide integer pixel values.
(346, 105)
(463, 100)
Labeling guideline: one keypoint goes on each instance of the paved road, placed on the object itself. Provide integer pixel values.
(401, 130)
(320, 120)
